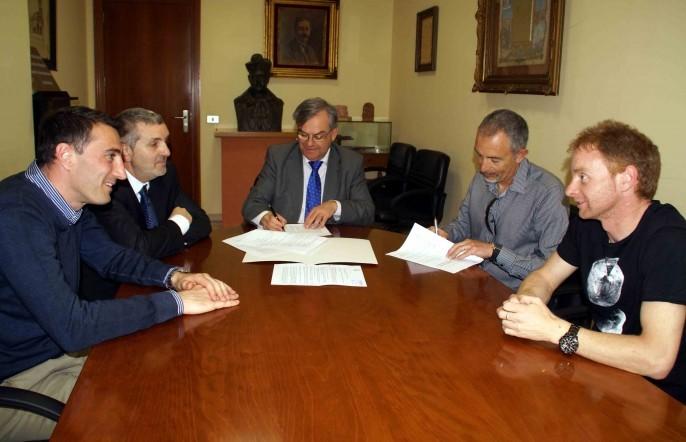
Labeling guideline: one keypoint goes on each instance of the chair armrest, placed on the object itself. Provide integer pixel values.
(385, 184)
(414, 198)
(414, 201)
(375, 169)
(26, 400)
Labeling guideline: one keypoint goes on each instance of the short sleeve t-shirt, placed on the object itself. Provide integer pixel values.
(648, 265)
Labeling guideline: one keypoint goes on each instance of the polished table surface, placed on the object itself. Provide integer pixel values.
(417, 355)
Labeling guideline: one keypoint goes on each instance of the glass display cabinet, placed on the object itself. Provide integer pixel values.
(365, 136)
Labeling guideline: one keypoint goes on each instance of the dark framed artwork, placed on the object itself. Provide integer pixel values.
(519, 46)
(42, 30)
(301, 38)
(427, 37)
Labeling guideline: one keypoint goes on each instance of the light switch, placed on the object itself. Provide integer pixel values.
(213, 119)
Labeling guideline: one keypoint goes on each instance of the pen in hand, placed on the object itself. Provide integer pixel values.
(435, 226)
(276, 217)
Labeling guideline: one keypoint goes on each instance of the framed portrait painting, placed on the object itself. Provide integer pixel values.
(519, 46)
(301, 38)
(42, 30)
(427, 37)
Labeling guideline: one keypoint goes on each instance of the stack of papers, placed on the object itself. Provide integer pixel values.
(266, 242)
(300, 228)
(307, 248)
(424, 247)
(266, 245)
(318, 275)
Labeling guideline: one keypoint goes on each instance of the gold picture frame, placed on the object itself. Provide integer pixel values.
(426, 39)
(301, 38)
(519, 46)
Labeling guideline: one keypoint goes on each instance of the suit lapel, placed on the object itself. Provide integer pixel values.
(294, 188)
(125, 195)
(333, 175)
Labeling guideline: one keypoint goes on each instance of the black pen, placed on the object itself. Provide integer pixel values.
(271, 209)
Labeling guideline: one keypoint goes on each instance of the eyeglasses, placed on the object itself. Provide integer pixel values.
(304, 136)
(488, 217)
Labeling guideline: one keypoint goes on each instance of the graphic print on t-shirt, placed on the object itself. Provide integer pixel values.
(604, 286)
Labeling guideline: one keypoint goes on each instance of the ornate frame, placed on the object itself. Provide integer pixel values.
(280, 38)
(425, 45)
(506, 62)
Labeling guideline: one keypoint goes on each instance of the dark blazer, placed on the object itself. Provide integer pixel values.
(123, 220)
(280, 185)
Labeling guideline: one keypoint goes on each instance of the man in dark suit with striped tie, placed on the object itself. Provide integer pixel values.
(312, 181)
(149, 212)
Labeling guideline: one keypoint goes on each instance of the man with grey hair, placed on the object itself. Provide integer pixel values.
(312, 181)
(513, 214)
(149, 212)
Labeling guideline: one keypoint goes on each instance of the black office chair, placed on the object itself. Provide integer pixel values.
(568, 300)
(424, 195)
(383, 189)
(399, 162)
(26, 400)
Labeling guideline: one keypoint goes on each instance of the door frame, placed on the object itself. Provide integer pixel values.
(100, 82)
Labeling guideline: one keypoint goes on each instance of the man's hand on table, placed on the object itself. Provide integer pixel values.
(215, 289)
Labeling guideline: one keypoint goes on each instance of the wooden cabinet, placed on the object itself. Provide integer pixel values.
(242, 159)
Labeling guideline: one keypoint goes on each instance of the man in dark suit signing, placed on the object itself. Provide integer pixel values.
(149, 212)
(312, 181)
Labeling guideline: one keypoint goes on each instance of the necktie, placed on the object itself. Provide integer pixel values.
(314, 188)
(148, 209)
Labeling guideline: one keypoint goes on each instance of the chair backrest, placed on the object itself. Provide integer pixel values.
(400, 159)
(429, 169)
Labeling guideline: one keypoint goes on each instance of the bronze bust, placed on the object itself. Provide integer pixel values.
(258, 109)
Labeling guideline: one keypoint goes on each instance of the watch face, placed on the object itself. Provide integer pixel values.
(569, 343)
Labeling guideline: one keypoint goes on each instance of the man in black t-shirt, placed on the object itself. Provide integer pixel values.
(631, 252)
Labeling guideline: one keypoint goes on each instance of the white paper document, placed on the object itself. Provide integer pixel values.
(351, 250)
(318, 275)
(427, 248)
(300, 228)
(267, 241)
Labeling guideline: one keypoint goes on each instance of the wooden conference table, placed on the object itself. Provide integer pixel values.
(414, 356)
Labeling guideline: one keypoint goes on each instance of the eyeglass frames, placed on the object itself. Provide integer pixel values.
(304, 136)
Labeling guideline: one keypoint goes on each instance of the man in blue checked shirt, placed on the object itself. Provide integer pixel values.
(44, 234)
(513, 214)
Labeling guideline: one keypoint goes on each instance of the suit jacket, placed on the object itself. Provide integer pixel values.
(280, 185)
(124, 221)
(295, 54)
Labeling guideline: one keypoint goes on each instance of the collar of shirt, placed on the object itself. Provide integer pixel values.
(36, 176)
(518, 182)
(136, 185)
(324, 160)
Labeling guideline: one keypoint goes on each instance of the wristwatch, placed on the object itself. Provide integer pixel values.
(496, 251)
(569, 342)
(168, 282)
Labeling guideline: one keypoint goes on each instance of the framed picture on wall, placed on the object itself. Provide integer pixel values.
(519, 46)
(42, 30)
(427, 35)
(302, 38)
